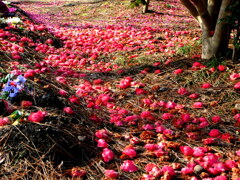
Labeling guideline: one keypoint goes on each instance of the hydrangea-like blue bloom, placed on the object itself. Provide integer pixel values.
(12, 88)
(20, 81)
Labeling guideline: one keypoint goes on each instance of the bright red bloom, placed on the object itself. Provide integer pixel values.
(149, 167)
(221, 68)
(37, 116)
(208, 141)
(107, 155)
(77, 172)
(130, 152)
(183, 91)
(198, 151)
(198, 105)
(98, 81)
(230, 164)
(140, 91)
(186, 150)
(102, 143)
(216, 119)
(193, 96)
(206, 85)
(178, 71)
(102, 133)
(234, 76)
(68, 110)
(128, 166)
(111, 174)
(214, 133)
(25, 104)
(4, 121)
(237, 86)
(167, 116)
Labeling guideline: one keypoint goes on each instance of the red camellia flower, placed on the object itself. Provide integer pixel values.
(183, 91)
(102, 143)
(130, 152)
(178, 71)
(222, 177)
(216, 119)
(198, 151)
(194, 96)
(77, 172)
(140, 91)
(125, 83)
(128, 166)
(145, 114)
(198, 105)
(230, 163)
(61, 79)
(186, 150)
(238, 152)
(37, 116)
(98, 81)
(62, 92)
(111, 174)
(221, 68)
(214, 133)
(49, 41)
(149, 167)
(25, 104)
(234, 76)
(237, 86)
(4, 121)
(102, 133)
(107, 155)
(237, 117)
(167, 116)
(157, 71)
(74, 99)
(168, 170)
(151, 147)
(208, 141)
(29, 73)
(68, 110)
(206, 85)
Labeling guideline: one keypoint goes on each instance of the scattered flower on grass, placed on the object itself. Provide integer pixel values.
(4, 121)
(214, 133)
(178, 71)
(206, 86)
(102, 143)
(128, 166)
(222, 68)
(237, 86)
(68, 110)
(107, 155)
(78, 172)
(198, 105)
(216, 119)
(37, 116)
(26, 104)
(111, 174)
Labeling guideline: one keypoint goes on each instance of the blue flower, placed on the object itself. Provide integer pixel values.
(20, 81)
(11, 90)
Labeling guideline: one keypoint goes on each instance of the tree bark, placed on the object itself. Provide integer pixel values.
(145, 7)
(192, 9)
(215, 34)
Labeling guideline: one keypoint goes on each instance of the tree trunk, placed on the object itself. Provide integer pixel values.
(236, 54)
(215, 34)
(145, 7)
